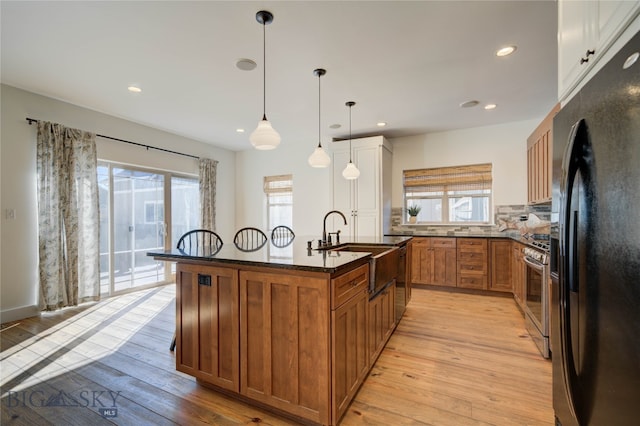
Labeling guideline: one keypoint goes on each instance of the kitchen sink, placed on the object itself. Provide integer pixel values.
(383, 265)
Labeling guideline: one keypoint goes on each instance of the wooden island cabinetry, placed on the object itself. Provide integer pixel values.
(381, 321)
(285, 342)
(349, 318)
(298, 334)
(207, 308)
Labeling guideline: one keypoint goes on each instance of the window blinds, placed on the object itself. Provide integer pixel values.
(280, 184)
(440, 179)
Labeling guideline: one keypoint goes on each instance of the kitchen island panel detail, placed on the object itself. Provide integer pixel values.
(207, 311)
(284, 346)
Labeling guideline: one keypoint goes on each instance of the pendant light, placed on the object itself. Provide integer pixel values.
(319, 157)
(351, 171)
(264, 136)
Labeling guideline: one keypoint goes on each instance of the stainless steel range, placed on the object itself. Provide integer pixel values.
(536, 257)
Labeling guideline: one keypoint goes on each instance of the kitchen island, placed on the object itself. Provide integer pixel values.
(283, 327)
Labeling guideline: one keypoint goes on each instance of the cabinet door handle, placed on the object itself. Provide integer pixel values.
(586, 58)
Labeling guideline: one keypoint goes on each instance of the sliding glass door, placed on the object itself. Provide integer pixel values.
(141, 210)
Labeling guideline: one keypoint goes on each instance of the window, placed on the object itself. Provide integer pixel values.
(450, 195)
(279, 192)
(153, 212)
(141, 210)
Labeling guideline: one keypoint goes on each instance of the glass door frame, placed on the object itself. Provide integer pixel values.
(167, 228)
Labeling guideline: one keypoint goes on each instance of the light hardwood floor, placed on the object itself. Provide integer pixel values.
(455, 359)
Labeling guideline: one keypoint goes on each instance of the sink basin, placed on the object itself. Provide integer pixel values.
(374, 250)
(383, 265)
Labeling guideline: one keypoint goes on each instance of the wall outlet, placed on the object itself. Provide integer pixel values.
(524, 217)
(10, 214)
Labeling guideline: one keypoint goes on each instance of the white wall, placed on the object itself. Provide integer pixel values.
(19, 249)
(311, 186)
(504, 145)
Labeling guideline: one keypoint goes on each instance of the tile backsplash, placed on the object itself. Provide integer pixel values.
(507, 214)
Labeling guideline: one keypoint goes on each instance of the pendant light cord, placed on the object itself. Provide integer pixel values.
(264, 72)
(319, 140)
(350, 134)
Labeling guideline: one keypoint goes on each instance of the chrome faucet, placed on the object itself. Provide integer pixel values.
(324, 226)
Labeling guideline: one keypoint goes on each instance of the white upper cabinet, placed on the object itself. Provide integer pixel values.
(366, 201)
(586, 29)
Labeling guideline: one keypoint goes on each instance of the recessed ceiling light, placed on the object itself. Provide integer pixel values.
(134, 89)
(240, 130)
(381, 124)
(335, 126)
(245, 64)
(490, 106)
(469, 104)
(505, 51)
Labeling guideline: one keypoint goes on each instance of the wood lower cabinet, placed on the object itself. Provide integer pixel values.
(285, 342)
(519, 275)
(472, 263)
(500, 257)
(349, 354)
(421, 261)
(444, 262)
(433, 261)
(382, 320)
(207, 311)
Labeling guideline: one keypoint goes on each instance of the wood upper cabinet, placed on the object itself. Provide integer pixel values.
(472, 263)
(349, 350)
(207, 331)
(539, 160)
(444, 261)
(500, 255)
(285, 342)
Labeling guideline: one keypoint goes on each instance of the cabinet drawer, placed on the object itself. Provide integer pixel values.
(472, 268)
(443, 242)
(421, 242)
(472, 244)
(472, 281)
(471, 256)
(347, 285)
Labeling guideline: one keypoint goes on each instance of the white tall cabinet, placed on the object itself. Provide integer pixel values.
(366, 201)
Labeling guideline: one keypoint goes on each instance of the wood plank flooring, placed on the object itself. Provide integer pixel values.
(455, 359)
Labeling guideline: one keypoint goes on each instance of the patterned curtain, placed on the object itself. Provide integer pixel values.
(208, 169)
(68, 216)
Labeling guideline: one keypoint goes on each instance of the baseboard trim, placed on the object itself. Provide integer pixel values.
(17, 314)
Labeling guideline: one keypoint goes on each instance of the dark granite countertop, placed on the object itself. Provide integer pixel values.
(510, 235)
(294, 256)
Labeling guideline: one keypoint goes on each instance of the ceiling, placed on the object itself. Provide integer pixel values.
(410, 64)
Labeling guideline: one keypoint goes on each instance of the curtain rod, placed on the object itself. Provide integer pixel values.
(33, 120)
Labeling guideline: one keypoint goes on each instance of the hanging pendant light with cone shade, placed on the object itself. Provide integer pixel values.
(351, 171)
(319, 157)
(264, 136)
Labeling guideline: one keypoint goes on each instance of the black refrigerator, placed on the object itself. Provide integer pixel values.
(595, 248)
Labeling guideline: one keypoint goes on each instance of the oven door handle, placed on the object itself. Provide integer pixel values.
(537, 266)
